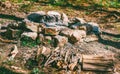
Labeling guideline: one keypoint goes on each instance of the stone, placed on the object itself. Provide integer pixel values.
(41, 37)
(60, 40)
(45, 51)
(51, 31)
(77, 36)
(77, 23)
(38, 17)
(55, 14)
(65, 19)
(34, 27)
(32, 35)
(52, 18)
(93, 27)
(66, 32)
(31, 26)
(47, 40)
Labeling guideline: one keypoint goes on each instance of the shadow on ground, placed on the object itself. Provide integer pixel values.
(11, 17)
(109, 42)
(113, 35)
(3, 70)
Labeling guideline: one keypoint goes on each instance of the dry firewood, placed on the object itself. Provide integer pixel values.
(66, 56)
(98, 62)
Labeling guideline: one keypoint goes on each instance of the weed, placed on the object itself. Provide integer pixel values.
(107, 47)
(27, 41)
(36, 71)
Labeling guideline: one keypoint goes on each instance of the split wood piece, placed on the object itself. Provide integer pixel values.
(97, 62)
(13, 53)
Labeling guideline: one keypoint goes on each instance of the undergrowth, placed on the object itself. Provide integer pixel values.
(27, 41)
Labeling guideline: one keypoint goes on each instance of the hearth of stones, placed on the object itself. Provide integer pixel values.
(52, 28)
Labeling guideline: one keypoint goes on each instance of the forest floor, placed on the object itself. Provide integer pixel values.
(108, 19)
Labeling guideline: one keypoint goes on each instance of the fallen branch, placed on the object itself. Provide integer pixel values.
(7, 41)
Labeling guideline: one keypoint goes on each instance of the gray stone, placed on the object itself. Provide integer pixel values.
(93, 27)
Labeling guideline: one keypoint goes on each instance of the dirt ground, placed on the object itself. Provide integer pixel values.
(109, 44)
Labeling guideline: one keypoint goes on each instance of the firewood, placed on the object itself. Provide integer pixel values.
(97, 62)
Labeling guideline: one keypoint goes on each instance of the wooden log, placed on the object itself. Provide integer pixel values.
(96, 67)
(97, 62)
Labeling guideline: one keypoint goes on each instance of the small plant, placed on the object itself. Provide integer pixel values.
(107, 47)
(36, 71)
(26, 41)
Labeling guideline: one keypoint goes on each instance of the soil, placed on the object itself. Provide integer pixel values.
(109, 44)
